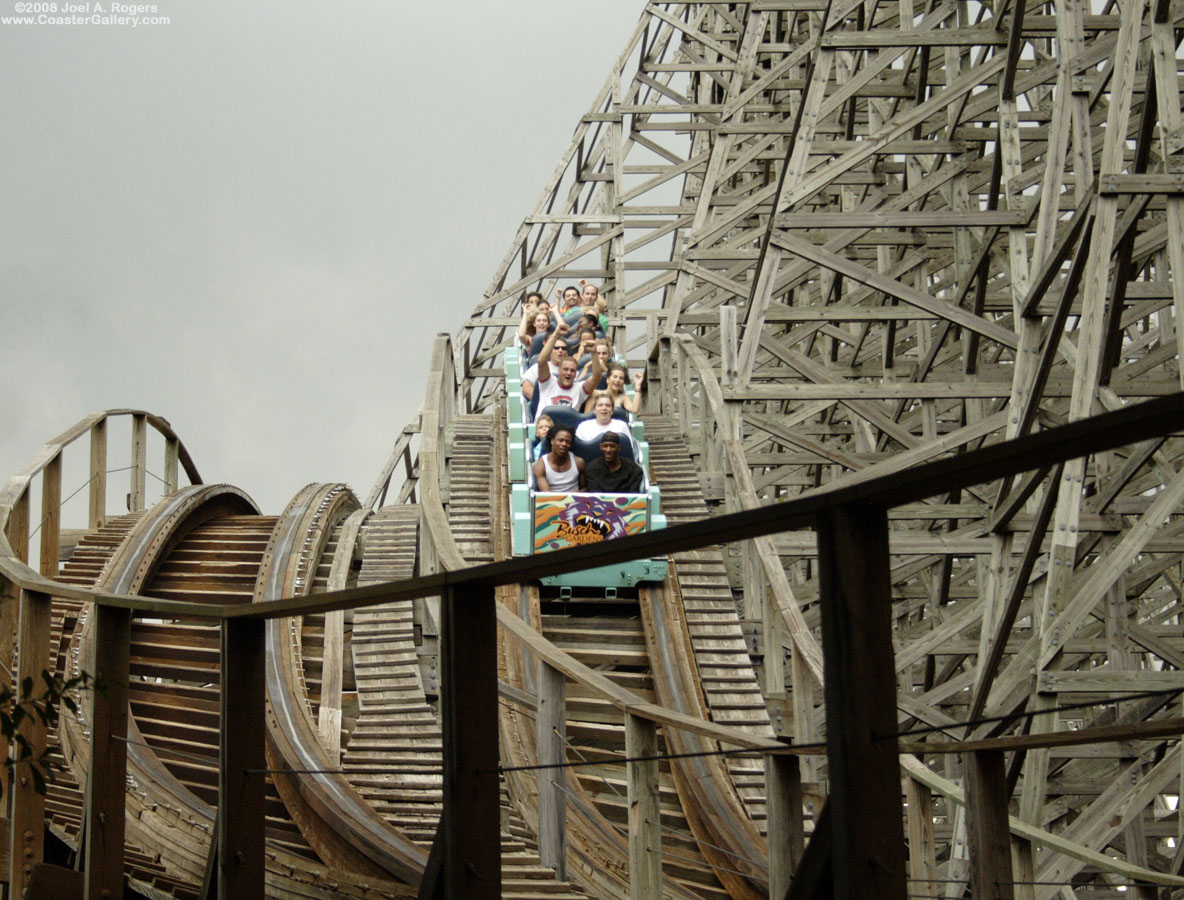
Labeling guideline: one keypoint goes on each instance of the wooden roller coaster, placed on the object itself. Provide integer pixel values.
(907, 283)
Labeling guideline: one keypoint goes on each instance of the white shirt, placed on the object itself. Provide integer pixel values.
(551, 394)
(590, 429)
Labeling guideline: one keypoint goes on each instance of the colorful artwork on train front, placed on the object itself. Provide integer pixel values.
(571, 520)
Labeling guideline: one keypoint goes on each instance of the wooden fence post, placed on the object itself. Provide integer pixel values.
(27, 830)
(990, 835)
(51, 517)
(98, 475)
(922, 846)
(172, 449)
(470, 826)
(241, 760)
(787, 836)
(645, 837)
(106, 783)
(551, 729)
(856, 605)
(139, 462)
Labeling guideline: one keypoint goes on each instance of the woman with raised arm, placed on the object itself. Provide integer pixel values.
(615, 388)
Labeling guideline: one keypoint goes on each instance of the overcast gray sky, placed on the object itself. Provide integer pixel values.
(253, 220)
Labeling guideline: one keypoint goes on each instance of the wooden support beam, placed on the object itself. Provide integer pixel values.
(28, 804)
(51, 516)
(551, 732)
(470, 828)
(814, 876)
(988, 827)
(9, 619)
(786, 831)
(139, 462)
(922, 847)
(17, 528)
(333, 659)
(240, 844)
(97, 514)
(645, 841)
(332, 669)
(106, 783)
(860, 690)
(171, 451)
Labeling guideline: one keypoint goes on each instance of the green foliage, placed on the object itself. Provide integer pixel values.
(38, 706)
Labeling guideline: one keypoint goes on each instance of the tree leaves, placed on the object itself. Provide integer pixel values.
(20, 710)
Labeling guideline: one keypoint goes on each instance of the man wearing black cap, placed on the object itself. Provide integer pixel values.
(610, 474)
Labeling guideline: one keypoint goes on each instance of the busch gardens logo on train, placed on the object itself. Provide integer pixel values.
(571, 520)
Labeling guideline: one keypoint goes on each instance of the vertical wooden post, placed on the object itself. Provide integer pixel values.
(28, 806)
(17, 529)
(172, 449)
(470, 827)
(922, 847)
(332, 676)
(802, 708)
(1023, 868)
(51, 517)
(868, 834)
(645, 836)
(551, 731)
(106, 783)
(990, 836)
(139, 462)
(98, 475)
(728, 348)
(241, 761)
(787, 836)
(9, 607)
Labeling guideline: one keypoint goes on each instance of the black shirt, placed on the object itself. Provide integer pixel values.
(626, 480)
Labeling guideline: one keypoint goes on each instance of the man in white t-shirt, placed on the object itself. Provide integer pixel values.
(560, 388)
(531, 376)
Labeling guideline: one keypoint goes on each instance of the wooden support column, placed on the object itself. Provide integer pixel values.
(240, 846)
(51, 517)
(922, 846)
(470, 827)
(645, 836)
(9, 610)
(17, 529)
(139, 462)
(990, 836)
(98, 475)
(787, 836)
(860, 689)
(332, 676)
(172, 449)
(27, 832)
(551, 733)
(106, 783)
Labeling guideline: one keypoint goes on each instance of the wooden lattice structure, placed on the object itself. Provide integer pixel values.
(849, 242)
(849, 237)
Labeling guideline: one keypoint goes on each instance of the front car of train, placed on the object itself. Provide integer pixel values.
(545, 521)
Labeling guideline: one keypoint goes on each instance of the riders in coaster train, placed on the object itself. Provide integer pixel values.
(588, 449)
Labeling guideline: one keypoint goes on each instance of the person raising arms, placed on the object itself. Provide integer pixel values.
(561, 389)
(615, 388)
(536, 315)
